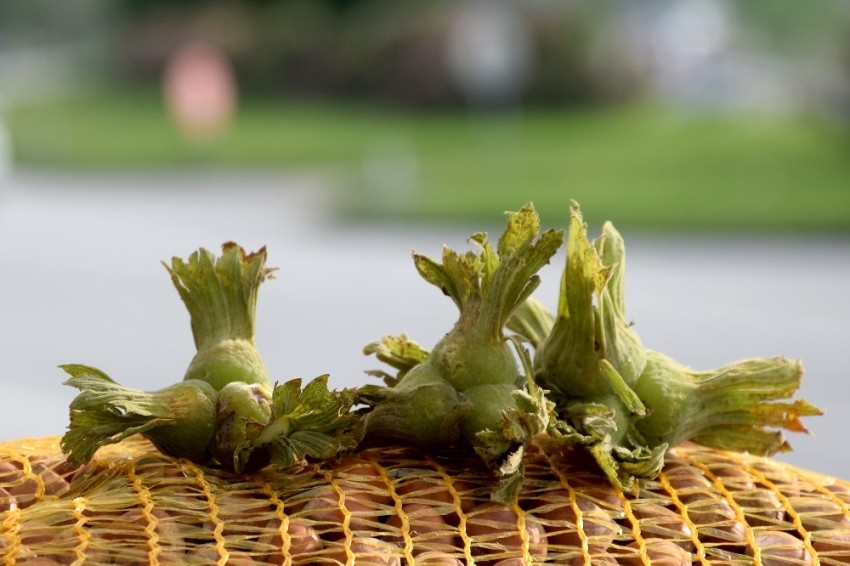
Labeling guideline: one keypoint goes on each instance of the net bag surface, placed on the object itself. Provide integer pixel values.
(395, 506)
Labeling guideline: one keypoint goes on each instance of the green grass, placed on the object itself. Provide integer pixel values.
(643, 167)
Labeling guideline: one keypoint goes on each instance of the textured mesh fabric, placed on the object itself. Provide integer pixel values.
(396, 506)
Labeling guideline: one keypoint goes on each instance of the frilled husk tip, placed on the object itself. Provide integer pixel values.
(740, 406)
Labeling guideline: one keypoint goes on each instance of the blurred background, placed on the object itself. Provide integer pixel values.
(344, 133)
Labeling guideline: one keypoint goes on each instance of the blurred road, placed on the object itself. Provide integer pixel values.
(80, 281)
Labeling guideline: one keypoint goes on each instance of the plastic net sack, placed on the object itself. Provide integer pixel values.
(395, 506)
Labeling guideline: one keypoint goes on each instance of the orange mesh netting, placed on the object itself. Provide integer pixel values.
(395, 506)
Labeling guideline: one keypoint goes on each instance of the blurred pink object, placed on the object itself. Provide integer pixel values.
(200, 91)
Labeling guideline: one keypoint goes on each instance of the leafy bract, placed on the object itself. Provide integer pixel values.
(626, 404)
(468, 390)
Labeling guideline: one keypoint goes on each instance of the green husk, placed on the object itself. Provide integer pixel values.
(469, 389)
(179, 420)
(625, 404)
(242, 412)
(225, 410)
(591, 381)
(735, 404)
(221, 296)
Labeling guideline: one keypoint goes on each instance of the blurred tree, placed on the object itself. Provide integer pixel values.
(396, 52)
(147, 6)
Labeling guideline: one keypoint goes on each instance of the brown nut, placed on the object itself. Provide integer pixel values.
(8, 502)
(761, 507)
(245, 514)
(11, 473)
(716, 521)
(511, 562)
(841, 491)
(494, 530)
(428, 529)
(207, 554)
(437, 558)
(434, 491)
(734, 477)
(657, 521)
(327, 516)
(54, 539)
(560, 520)
(58, 464)
(26, 488)
(779, 548)
(690, 484)
(600, 492)
(130, 528)
(819, 514)
(361, 478)
(38, 561)
(302, 541)
(832, 544)
(600, 558)
(368, 551)
(660, 552)
(782, 482)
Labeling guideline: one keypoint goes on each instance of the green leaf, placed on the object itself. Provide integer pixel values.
(317, 445)
(435, 274)
(286, 397)
(399, 352)
(488, 286)
(79, 370)
(722, 407)
(523, 226)
(316, 393)
(313, 422)
(509, 483)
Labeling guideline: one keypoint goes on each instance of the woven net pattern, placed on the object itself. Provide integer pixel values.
(395, 506)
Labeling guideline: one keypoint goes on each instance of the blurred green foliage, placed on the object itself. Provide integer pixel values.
(360, 89)
(645, 166)
(368, 50)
